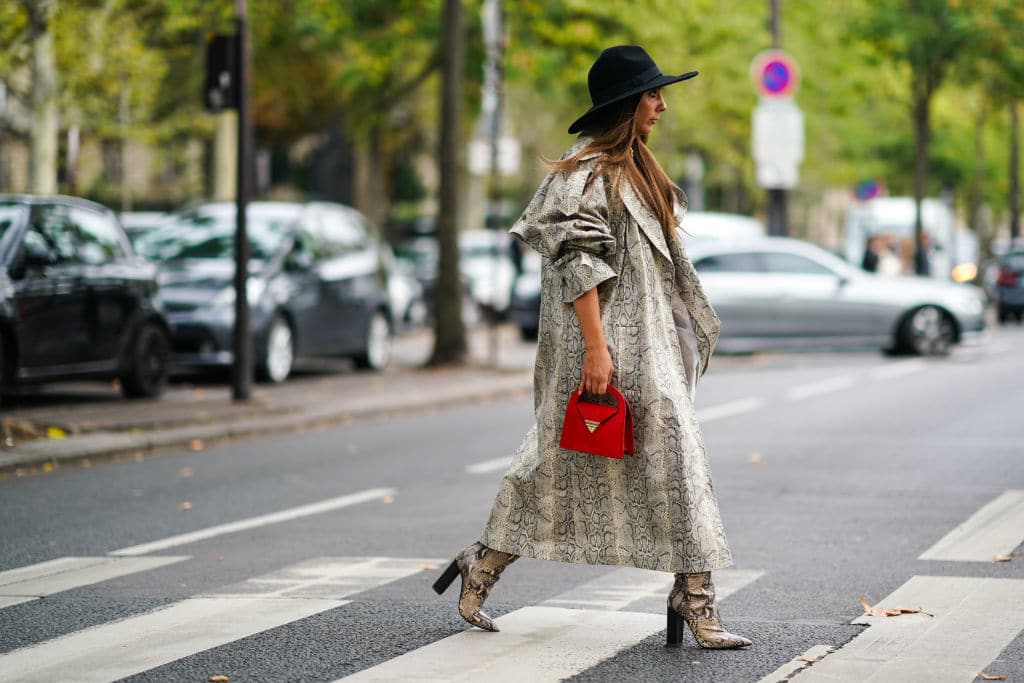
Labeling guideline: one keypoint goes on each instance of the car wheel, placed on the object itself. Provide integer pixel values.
(146, 371)
(928, 331)
(1004, 315)
(377, 348)
(279, 357)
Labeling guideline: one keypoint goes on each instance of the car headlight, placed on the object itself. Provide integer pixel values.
(254, 289)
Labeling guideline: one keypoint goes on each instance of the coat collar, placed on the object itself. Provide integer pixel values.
(644, 217)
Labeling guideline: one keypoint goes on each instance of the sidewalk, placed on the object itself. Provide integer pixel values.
(67, 422)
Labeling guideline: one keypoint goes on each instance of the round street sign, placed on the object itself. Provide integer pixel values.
(775, 74)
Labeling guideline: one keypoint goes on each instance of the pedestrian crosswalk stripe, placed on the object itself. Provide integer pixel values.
(786, 671)
(536, 644)
(35, 581)
(995, 529)
(974, 620)
(560, 637)
(122, 648)
(900, 369)
(627, 587)
(254, 522)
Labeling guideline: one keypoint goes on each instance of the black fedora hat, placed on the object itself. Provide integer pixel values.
(620, 72)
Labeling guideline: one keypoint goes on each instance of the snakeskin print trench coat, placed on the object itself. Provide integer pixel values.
(656, 510)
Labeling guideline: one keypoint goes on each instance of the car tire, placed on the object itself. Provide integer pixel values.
(927, 331)
(1004, 315)
(376, 353)
(279, 356)
(146, 370)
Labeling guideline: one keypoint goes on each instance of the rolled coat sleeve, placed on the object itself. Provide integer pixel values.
(567, 222)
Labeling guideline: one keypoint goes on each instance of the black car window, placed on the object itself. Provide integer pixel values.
(340, 233)
(196, 235)
(99, 237)
(739, 262)
(51, 225)
(9, 214)
(780, 262)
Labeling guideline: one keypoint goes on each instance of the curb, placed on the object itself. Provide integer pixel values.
(112, 444)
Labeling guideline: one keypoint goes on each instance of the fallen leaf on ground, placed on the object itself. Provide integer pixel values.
(429, 566)
(989, 677)
(387, 499)
(48, 467)
(809, 660)
(185, 505)
(890, 611)
(196, 444)
(1002, 558)
(185, 472)
(219, 679)
(56, 433)
(756, 458)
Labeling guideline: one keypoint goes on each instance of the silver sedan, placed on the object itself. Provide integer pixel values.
(776, 293)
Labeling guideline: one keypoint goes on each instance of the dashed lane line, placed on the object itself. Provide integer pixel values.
(254, 522)
(821, 387)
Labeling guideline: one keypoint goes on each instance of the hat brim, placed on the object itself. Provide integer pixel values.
(659, 82)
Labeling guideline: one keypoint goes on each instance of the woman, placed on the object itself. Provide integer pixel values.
(621, 304)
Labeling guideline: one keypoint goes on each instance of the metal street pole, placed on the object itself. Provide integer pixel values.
(241, 372)
(778, 223)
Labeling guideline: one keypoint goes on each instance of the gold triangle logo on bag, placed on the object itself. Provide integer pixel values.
(592, 425)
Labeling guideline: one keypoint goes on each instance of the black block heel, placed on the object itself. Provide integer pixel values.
(674, 629)
(441, 585)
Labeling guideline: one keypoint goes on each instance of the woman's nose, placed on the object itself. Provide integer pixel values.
(661, 103)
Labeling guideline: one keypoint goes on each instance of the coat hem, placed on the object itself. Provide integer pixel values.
(547, 552)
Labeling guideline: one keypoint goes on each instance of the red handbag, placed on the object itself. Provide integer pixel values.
(598, 428)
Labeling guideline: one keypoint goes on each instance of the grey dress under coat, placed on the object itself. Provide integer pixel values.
(655, 510)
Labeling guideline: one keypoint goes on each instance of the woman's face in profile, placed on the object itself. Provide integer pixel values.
(649, 111)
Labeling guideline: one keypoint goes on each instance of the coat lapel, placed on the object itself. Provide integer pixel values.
(646, 219)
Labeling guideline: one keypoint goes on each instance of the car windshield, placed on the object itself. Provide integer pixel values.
(9, 214)
(208, 235)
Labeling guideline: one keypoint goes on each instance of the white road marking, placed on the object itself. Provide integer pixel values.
(900, 369)
(621, 588)
(64, 573)
(536, 644)
(730, 409)
(975, 619)
(122, 648)
(995, 529)
(554, 640)
(784, 672)
(489, 465)
(825, 386)
(254, 522)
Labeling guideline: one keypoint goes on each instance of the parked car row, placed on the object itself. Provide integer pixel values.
(78, 300)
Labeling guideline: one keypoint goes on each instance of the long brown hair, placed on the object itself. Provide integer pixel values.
(624, 155)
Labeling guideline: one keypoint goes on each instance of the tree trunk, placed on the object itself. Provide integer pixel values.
(1014, 171)
(449, 329)
(44, 127)
(372, 194)
(922, 133)
(976, 196)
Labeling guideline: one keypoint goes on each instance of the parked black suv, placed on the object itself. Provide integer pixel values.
(75, 302)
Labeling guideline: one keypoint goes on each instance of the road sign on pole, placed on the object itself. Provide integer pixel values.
(777, 137)
(775, 74)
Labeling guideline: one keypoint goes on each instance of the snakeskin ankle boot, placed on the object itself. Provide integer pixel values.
(480, 568)
(693, 600)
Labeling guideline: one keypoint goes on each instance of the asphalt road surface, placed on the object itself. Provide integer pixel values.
(310, 556)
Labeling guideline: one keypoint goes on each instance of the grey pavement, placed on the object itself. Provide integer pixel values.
(49, 424)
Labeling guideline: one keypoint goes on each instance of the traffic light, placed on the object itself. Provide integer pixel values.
(221, 88)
